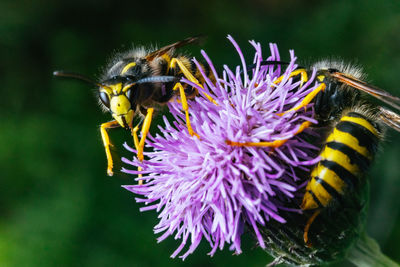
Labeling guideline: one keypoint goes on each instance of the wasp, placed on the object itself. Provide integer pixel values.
(353, 128)
(138, 81)
(356, 126)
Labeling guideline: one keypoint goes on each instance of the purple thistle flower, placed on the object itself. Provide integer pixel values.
(206, 188)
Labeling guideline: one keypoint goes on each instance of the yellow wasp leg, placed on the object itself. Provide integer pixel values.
(185, 107)
(307, 227)
(303, 78)
(135, 136)
(107, 143)
(306, 99)
(139, 145)
(145, 131)
(189, 76)
(179, 86)
(273, 144)
(136, 142)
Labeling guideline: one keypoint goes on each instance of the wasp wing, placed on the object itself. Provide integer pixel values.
(390, 118)
(176, 45)
(369, 89)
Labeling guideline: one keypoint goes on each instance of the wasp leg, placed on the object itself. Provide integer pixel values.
(135, 136)
(273, 144)
(189, 76)
(145, 131)
(307, 99)
(307, 227)
(185, 107)
(179, 86)
(106, 142)
(136, 142)
(303, 76)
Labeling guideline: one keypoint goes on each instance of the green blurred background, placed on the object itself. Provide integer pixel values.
(58, 207)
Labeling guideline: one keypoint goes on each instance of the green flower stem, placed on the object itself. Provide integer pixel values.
(366, 253)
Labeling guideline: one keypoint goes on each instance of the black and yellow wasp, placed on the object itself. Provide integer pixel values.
(138, 81)
(354, 126)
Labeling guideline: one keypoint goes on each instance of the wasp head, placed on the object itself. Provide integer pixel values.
(116, 95)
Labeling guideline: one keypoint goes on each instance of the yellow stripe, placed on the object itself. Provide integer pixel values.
(127, 67)
(339, 158)
(364, 123)
(308, 202)
(349, 140)
(319, 191)
(329, 177)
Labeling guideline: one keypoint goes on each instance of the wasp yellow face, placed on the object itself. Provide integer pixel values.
(116, 98)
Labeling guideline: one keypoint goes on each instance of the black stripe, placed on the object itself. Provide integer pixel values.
(363, 135)
(164, 67)
(347, 177)
(315, 198)
(331, 191)
(355, 158)
(193, 67)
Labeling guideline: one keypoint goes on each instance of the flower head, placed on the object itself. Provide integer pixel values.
(213, 186)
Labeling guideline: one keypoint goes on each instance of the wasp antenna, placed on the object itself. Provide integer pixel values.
(66, 74)
(158, 79)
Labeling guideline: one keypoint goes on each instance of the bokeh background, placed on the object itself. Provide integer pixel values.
(58, 207)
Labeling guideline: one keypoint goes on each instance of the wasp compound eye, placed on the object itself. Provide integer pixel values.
(132, 96)
(129, 94)
(105, 99)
